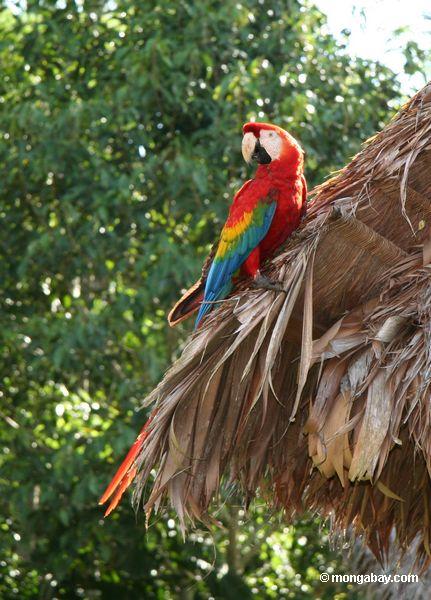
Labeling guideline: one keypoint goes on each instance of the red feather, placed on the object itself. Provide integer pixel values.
(126, 471)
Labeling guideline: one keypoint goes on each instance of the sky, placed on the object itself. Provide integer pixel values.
(372, 23)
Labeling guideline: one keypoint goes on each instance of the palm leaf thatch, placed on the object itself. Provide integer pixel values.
(319, 398)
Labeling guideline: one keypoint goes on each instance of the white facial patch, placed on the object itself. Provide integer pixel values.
(248, 144)
(272, 142)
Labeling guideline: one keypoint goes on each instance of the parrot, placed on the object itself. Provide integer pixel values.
(264, 213)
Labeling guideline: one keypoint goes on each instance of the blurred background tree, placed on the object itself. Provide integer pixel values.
(120, 129)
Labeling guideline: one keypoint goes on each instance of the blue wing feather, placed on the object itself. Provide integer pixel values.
(219, 280)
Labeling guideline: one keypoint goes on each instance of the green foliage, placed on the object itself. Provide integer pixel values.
(120, 128)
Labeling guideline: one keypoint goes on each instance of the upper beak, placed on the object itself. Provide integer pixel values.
(248, 145)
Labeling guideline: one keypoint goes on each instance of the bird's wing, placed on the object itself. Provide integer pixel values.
(246, 226)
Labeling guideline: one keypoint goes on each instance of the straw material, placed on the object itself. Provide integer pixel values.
(319, 398)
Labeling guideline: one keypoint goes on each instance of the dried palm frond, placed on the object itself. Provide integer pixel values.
(319, 398)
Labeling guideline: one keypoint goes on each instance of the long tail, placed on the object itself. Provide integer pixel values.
(209, 302)
(191, 300)
(126, 472)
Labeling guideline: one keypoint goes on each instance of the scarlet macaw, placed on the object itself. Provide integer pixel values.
(264, 212)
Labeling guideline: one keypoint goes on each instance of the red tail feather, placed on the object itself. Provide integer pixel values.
(126, 472)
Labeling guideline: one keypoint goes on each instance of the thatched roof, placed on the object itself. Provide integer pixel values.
(319, 398)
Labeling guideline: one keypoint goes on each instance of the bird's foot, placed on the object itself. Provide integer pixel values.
(263, 283)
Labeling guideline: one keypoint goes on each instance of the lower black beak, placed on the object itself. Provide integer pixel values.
(260, 155)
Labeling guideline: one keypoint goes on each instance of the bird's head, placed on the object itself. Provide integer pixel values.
(268, 144)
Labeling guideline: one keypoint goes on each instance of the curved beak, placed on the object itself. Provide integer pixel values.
(248, 145)
(252, 149)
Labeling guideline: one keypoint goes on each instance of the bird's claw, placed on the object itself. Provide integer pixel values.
(263, 283)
